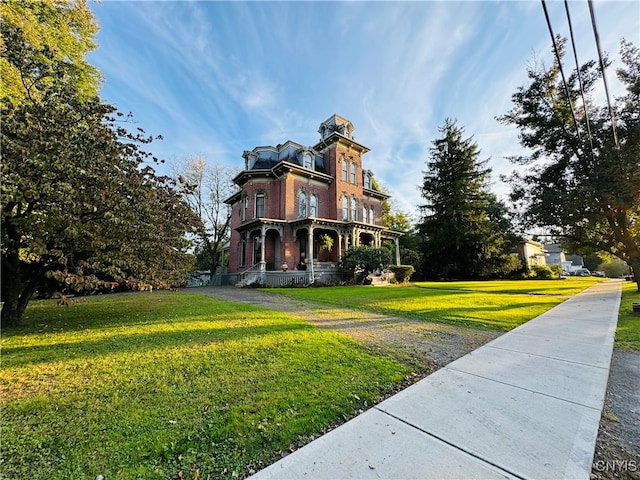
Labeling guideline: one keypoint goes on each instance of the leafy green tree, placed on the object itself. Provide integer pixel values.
(358, 262)
(45, 42)
(613, 268)
(592, 261)
(580, 183)
(80, 202)
(206, 189)
(465, 229)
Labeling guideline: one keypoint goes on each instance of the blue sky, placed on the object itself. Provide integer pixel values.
(217, 78)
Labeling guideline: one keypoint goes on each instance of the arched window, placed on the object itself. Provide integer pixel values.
(367, 181)
(245, 206)
(307, 160)
(365, 212)
(313, 205)
(259, 205)
(353, 173)
(354, 209)
(372, 215)
(344, 169)
(302, 204)
(345, 208)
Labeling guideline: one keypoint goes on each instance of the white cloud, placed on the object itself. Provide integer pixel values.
(222, 77)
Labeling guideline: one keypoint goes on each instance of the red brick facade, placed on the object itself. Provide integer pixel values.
(293, 197)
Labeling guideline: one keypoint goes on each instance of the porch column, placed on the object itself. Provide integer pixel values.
(339, 246)
(310, 251)
(263, 263)
(397, 241)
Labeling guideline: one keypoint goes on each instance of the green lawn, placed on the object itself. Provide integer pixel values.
(628, 332)
(500, 305)
(154, 384)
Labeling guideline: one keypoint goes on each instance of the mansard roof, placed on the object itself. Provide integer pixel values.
(267, 157)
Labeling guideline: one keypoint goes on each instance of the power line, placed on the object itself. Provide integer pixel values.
(575, 56)
(604, 76)
(564, 80)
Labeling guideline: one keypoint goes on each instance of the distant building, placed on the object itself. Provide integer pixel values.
(574, 262)
(299, 208)
(555, 254)
(531, 253)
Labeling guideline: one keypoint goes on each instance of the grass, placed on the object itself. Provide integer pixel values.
(628, 331)
(497, 305)
(166, 385)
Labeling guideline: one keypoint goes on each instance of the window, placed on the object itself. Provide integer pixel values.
(372, 215)
(364, 213)
(245, 206)
(367, 181)
(243, 253)
(313, 205)
(307, 160)
(353, 173)
(344, 169)
(354, 209)
(259, 205)
(302, 204)
(345, 208)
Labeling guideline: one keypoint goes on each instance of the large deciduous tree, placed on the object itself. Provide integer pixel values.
(465, 230)
(206, 189)
(80, 202)
(579, 182)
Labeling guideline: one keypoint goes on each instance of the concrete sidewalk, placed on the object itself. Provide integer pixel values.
(526, 405)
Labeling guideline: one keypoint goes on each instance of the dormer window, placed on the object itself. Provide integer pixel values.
(367, 181)
(307, 160)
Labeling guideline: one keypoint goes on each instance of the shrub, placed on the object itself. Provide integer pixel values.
(543, 272)
(402, 272)
(358, 262)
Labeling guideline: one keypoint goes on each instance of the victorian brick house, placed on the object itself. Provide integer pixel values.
(300, 208)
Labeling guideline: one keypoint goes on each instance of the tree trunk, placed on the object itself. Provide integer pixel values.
(11, 287)
(15, 293)
(635, 266)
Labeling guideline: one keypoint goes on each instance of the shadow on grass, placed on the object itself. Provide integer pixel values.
(139, 342)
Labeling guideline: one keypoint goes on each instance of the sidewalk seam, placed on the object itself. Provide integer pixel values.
(453, 445)
(522, 388)
(545, 356)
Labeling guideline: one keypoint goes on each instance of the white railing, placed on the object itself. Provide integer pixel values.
(285, 279)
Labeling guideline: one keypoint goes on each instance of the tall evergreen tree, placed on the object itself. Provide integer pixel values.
(464, 228)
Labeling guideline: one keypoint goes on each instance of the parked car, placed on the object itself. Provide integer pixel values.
(598, 273)
(582, 272)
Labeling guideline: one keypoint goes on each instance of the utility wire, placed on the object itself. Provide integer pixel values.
(584, 101)
(604, 76)
(564, 81)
